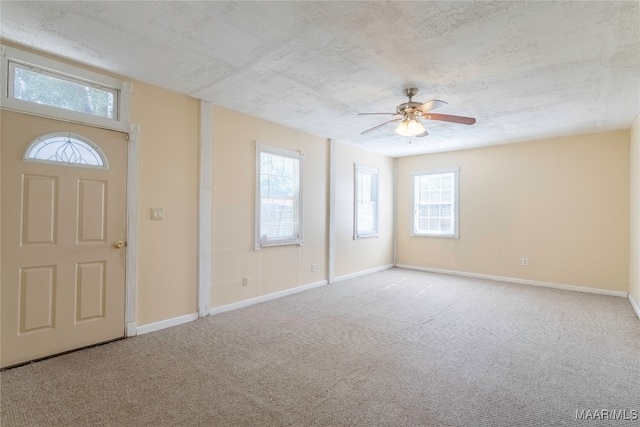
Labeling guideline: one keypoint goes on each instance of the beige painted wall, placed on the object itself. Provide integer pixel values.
(168, 179)
(563, 203)
(634, 259)
(354, 256)
(270, 269)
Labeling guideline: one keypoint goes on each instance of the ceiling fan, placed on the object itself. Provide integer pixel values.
(410, 113)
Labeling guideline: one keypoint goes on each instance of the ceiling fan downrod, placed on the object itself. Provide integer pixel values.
(409, 106)
(410, 92)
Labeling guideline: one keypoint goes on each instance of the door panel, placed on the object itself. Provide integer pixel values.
(90, 291)
(62, 281)
(37, 298)
(38, 209)
(92, 210)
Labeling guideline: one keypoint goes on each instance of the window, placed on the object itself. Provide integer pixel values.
(65, 148)
(435, 203)
(366, 202)
(278, 196)
(43, 86)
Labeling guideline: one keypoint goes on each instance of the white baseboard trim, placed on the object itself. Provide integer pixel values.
(131, 329)
(634, 304)
(518, 281)
(163, 324)
(363, 272)
(264, 298)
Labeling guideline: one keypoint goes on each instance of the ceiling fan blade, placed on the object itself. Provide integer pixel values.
(380, 125)
(448, 118)
(369, 114)
(431, 105)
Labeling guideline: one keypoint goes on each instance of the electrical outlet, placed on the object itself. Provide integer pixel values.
(525, 261)
(313, 267)
(245, 281)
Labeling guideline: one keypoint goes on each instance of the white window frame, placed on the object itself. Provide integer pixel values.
(375, 173)
(455, 208)
(293, 240)
(12, 57)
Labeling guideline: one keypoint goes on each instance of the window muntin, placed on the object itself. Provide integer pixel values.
(67, 149)
(40, 86)
(278, 203)
(435, 203)
(366, 202)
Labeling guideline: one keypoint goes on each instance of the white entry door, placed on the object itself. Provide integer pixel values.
(63, 229)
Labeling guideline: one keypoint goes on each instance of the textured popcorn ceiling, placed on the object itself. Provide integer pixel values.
(524, 70)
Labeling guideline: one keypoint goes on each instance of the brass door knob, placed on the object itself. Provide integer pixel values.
(119, 244)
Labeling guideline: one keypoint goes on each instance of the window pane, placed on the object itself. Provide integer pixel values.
(65, 149)
(366, 201)
(366, 217)
(447, 182)
(279, 199)
(288, 167)
(47, 89)
(434, 204)
(434, 183)
(365, 186)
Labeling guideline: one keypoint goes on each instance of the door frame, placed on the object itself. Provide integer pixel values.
(132, 231)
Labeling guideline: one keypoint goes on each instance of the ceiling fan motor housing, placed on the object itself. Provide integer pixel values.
(407, 107)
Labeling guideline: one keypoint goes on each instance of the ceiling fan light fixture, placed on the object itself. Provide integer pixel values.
(408, 114)
(410, 127)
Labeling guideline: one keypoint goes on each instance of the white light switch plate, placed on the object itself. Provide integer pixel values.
(157, 214)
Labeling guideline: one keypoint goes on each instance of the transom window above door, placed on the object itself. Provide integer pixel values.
(42, 86)
(32, 84)
(67, 149)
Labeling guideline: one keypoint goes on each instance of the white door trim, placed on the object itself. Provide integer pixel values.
(132, 231)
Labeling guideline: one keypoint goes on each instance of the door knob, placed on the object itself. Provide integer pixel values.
(119, 244)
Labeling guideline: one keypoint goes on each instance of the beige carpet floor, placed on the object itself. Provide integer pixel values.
(395, 348)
